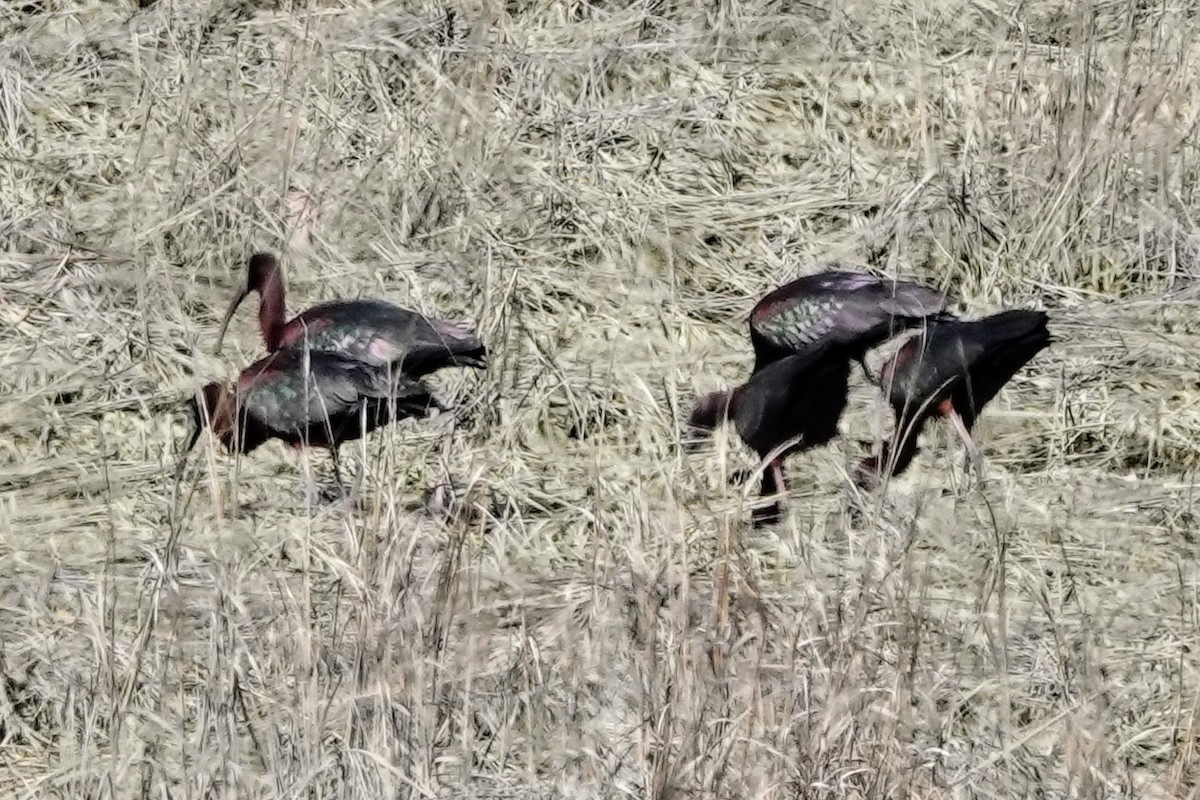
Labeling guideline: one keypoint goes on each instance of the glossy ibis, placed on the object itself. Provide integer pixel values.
(791, 405)
(852, 309)
(371, 331)
(312, 398)
(952, 369)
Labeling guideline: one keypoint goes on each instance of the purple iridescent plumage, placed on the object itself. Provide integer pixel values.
(852, 309)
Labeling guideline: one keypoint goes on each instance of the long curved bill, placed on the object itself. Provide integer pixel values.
(233, 306)
(194, 411)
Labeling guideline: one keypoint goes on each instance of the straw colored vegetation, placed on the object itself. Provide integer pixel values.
(602, 190)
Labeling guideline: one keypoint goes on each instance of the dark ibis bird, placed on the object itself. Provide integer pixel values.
(852, 309)
(306, 398)
(952, 370)
(791, 405)
(374, 332)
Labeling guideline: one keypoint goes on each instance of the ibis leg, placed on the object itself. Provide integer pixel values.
(361, 471)
(440, 499)
(960, 427)
(332, 494)
(193, 437)
(336, 458)
(312, 490)
(181, 467)
(772, 485)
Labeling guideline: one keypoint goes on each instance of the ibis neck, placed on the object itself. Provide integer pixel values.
(732, 398)
(271, 311)
(710, 411)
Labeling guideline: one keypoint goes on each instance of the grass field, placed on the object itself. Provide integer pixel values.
(603, 191)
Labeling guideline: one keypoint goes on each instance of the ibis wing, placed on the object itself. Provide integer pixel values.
(849, 308)
(912, 300)
(349, 327)
(379, 333)
(796, 324)
(430, 343)
(293, 389)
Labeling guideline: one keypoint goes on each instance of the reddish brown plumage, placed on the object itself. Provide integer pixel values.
(952, 370)
(372, 331)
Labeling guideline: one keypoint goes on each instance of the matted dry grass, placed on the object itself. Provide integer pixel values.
(603, 190)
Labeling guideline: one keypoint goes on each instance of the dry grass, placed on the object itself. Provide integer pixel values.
(603, 190)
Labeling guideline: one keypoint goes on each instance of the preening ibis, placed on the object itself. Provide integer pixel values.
(371, 331)
(952, 369)
(853, 309)
(801, 395)
(313, 398)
